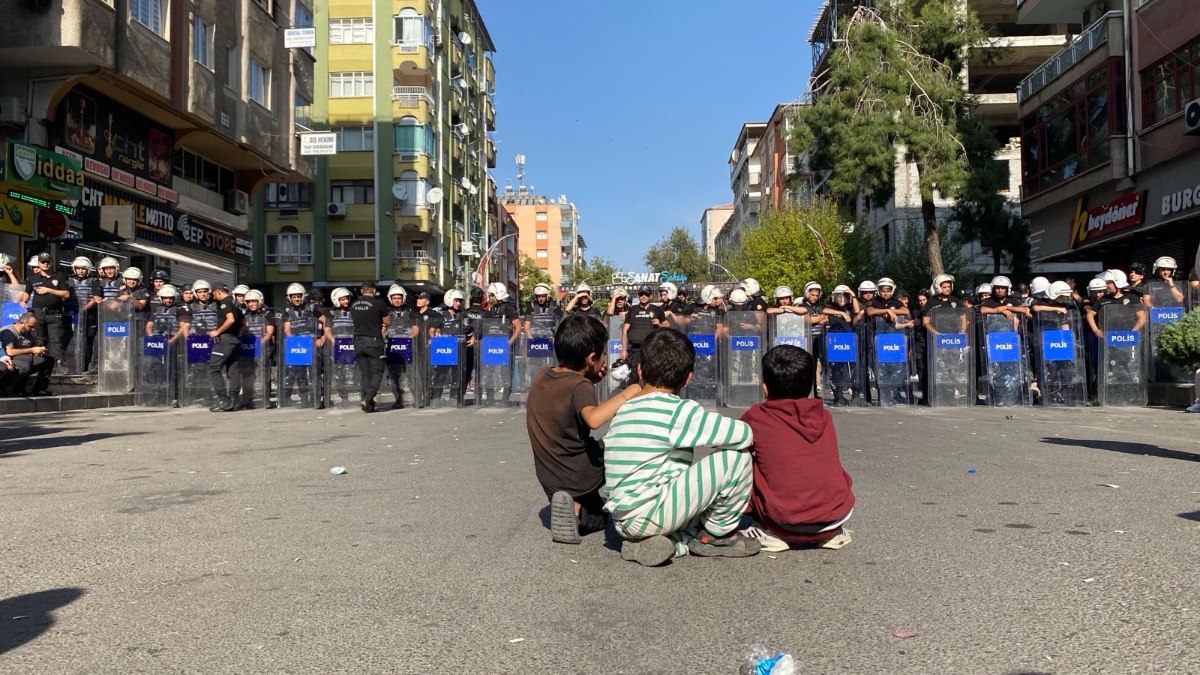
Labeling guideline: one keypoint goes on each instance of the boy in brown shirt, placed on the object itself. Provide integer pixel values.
(562, 412)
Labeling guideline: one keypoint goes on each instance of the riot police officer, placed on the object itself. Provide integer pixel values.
(543, 315)
(171, 322)
(754, 294)
(158, 279)
(841, 314)
(640, 321)
(258, 327)
(86, 294)
(370, 317)
(618, 304)
(474, 319)
(339, 324)
(239, 295)
(672, 308)
(399, 370)
(301, 318)
(581, 303)
(47, 293)
(110, 282)
(224, 349)
(812, 304)
(455, 324)
(501, 310)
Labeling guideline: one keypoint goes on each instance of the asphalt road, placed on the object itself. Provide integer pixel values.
(147, 541)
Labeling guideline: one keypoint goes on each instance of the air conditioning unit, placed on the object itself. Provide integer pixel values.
(1191, 118)
(11, 110)
(237, 202)
(437, 39)
(336, 210)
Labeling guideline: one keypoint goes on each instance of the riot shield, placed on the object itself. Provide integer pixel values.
(538, 351)
(792, 329)
(951, 361)
(741, 350)
(843, 367)
(341, 366)
(254, 372)
(1058, 358)
(1166, 306)
(300, 365)
(404, 361)
(158, 379)
(120, 348)
(605, 387)
(1122, 376)
(447, 387)
(493, 368)
(705, 387)
(10, 306)
(1004, 359)
(892, 362)
(195, 386)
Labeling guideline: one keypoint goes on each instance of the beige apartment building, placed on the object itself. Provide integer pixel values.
(548, 230)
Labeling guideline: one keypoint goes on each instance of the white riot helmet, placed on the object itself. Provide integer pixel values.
(1059, 289)
(620, 293)
(254, 295)
(671, 289)
(541, 289)
(81, 262)
(296, 289)
(240, 289)
(201, 285)
(499, 290)
(886, 281)
(1096, 285)
(842, 289)
(1165, 263)
(1001, 282)
(108, 262)
(782, 292)
(168, 291)
(452, 295)
(983, 288)
(583, 288)
(811, 285)
(1040, 287)
(338, 294)
(397, 289)
(940, 279)
(132, 273)
(1117, 277)
(751, 286)
(867, 287)
(739, 297)
(706, 293)
(33, 262)
(619, 372)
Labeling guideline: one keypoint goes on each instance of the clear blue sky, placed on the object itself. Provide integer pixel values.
(631, 108)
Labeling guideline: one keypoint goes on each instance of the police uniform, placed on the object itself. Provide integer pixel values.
(543, 319)
(815, 309)
(82, 292)
(369, 315)
(165, 323)
(507, 312)
(51, 313)
(454, 324)
(402, 325)
(639, 325)
(341, 324)
(224, 353)
(26, 366)
(842, 375)
(304, 320)
(249, 367)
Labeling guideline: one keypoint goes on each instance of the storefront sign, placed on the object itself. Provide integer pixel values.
(114, 141)
(42, 172)
(631, 278)
(299, 38)
(1181, 201)
(200, 234)
(318, 144)
(1090, 224)
(16, 217)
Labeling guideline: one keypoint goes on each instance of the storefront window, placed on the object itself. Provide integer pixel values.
(1168, 85)
(1070, 134)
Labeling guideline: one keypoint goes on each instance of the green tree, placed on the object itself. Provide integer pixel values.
(528, 276)
(894, 86)
(596, 272)
(678, 253)
(793, 246)
(981, 212)
(906, 263)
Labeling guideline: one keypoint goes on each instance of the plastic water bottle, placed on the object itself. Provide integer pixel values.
(762, 660)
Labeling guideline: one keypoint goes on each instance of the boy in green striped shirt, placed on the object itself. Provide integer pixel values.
(664, 502)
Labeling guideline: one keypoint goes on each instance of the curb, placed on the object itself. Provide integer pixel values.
(18, 406)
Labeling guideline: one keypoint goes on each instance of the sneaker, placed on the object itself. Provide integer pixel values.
(730, 546)
(368, 406)
(564, 525)
(769, 542)
(839, 541)
(650, 552)
(1194, 408)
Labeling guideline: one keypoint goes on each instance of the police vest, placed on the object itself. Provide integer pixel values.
(402, 321)
(341, 322)
(303, 320)
(81, 294)
(256, 322)
(111, 287)
(204, 317)
(453, 324)
(543, 319)
(166, 322)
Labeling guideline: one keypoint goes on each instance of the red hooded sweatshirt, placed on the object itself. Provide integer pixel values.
(798, 476)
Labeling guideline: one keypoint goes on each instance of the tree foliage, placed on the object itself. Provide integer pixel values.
(906, 264)
(596, 272)
(528, 276)
(678, 253)
(894, 83)
(793, 246)
(981, 212)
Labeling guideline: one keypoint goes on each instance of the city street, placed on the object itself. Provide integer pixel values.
(984, 541)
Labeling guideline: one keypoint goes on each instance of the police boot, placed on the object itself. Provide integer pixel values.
(223, 404)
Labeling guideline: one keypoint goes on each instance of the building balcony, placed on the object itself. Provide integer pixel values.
(411, 96)
(489, 114)
(414, 266)
(489, 74)
(996, 106)
(1051, 11)
(1090, 40)
(490, 151)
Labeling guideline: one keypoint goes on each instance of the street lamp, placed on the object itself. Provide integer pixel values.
(726, 271)
(470, 278)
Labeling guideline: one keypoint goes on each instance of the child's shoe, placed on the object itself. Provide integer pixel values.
(730, 546)
(650, 552)
(564, 526)
(769, 542)
(840, 540)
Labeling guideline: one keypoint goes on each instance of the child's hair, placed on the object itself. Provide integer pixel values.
(788, 372)
(667, 359)
(577, 337)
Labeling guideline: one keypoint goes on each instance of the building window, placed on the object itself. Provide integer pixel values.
(1070, 134)
(543, 235)
(543, 253)
(413, 188)
(410, 29)
(303, 19)
(352, 191)
(355, 139)
(542, 217)
(289, 195)
(1170, 84)
(149, 13)
(233, 67)
(302, 112)
(351, 85)
(413, 137)
(351, 31)
(353, 247)
(289, 248)
(202, 42)
(209, 175)
(260, 84)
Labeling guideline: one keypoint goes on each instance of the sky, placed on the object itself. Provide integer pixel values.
(631, 109)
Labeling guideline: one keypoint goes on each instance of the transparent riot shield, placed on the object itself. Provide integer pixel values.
(254, 373)
(538, 352)
(950, 340)
(1004, 359)
(741, 352)
(403, 364)
(494, 368)
(1058, 359)
(1123, 350)
(157, 379)
(447, 386)
(341, 365)
(120, 348)
(10, 306)
(1166, 306)
(195, 386)
(791, 329)
(843, 366)
(605, 387)
(892, 362)
(705, 387)
(300, 365)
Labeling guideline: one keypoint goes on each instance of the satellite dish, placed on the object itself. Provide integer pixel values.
(464, 38)
(461, 128)
(465, 183)
(434, 196)
(399, 191)
(459, 82)
(473, 190)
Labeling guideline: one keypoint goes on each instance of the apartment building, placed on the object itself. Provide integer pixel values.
(548, 230)
(745, 180)
(407, 88)
(783, 176)
(711, 223)
(1111, 134)
(140, 129)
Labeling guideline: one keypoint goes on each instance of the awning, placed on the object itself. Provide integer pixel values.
(171, 255)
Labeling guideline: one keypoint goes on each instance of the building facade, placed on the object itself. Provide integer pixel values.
(163, 117)
(548, 231)
(745, 180)
(711, 224)
(1111, 135)
(407, 88)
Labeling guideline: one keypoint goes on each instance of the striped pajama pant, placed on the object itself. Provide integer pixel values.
(711, 494)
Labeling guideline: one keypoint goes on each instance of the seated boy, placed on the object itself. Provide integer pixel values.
(562, 412)
(663, 501)
(801, 492)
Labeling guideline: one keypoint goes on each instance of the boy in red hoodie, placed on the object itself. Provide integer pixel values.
(801, 494)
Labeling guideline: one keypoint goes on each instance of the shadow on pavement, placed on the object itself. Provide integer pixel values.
(1127, 448)
(22, 444)
(34, 612)
(1191, 515)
